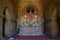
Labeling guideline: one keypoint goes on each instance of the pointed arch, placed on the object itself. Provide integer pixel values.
(4, 20)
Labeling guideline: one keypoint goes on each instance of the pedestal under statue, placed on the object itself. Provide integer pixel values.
(30, 25)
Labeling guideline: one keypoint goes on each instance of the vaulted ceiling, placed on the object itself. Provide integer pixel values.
(46, 3)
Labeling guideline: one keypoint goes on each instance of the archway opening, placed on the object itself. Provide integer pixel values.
(58, 21)
(4, 21)
(30, 21)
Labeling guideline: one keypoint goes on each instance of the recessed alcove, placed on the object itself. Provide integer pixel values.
(28, 15)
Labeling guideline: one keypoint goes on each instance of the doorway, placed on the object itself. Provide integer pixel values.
(4, 21)
(58, 21)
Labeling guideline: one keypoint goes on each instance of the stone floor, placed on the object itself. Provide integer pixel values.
(1, 38)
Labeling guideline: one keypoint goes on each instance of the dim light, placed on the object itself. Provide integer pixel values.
(25, 16)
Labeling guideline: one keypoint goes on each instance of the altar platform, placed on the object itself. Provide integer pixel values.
(33, 38)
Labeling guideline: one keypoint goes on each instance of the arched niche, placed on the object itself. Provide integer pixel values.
(7, 23)
(54, 27)
(50, 22)
(22, 10)
(58, 19)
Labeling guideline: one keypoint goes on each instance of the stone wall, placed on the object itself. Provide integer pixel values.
(50, 17)
(14, 9)
(11, 15)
